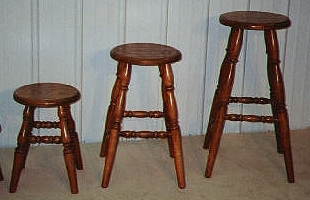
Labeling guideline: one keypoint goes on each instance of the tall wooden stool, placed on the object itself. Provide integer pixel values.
(48, 95)
(143, 54)
(268, 23)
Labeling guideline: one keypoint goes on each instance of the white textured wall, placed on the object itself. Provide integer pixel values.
(69, 41)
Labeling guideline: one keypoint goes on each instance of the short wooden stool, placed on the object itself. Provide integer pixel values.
(268, 23)
(143, 54)
(48, 95)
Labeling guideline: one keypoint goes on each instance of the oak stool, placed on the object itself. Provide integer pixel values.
(48, 95)
(269, 23)
(143, 54)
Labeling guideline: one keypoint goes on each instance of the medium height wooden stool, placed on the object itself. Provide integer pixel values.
(268, 23)
(143, 54)
(48, 95)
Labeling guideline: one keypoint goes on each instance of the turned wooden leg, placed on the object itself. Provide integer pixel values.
(166, 83)
(75, 144)
(221, 98)
(172, 123)
(212, 118)
(115, 118)
(22, 148)
(114, 98)
(277, 93)
(106, 136)
(68, 151)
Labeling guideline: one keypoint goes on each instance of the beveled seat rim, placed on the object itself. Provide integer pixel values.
(46, 95)
(255, 20)
(146, 54)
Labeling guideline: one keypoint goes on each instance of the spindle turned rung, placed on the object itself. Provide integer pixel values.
(33, 139)
(143, 114)
(46, 124)
(250, 118)
(144, 134)
(250, 100)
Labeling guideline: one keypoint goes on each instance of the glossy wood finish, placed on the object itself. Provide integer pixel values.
(48, 95)
(255, 20)
(268, 23)
(144, 54)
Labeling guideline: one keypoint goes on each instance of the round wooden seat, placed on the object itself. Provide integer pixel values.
(146, 54)
(255, 20)
(47, 95)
